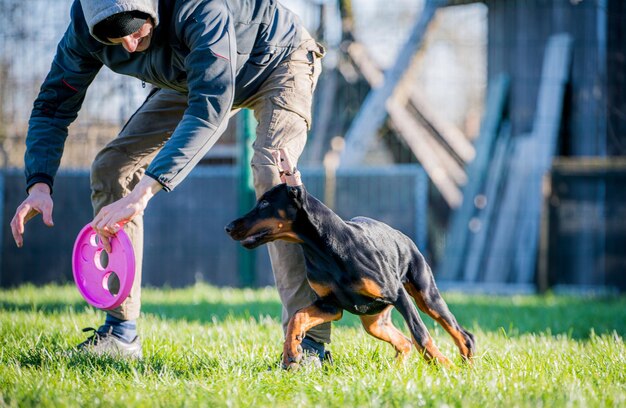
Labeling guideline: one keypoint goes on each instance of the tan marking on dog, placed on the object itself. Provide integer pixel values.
(289, 236)
(303, 320)
(457, 336)
(368, 287)
(321, 289)
(260, 226)
(431, 352)
(381, 327)
(279, 230)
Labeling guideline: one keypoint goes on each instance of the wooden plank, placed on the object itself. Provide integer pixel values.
(417, 140)
(449, 133)
(361, 58)
(482, 228)
(458, 233)
(590, 166)
(546, 128)
(416, 136)
(446, 131)
(547, 223)
(512, 255)
(499, 252)
(442, 169)
(373, 113)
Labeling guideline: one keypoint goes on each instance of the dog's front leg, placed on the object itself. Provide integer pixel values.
(301, 322)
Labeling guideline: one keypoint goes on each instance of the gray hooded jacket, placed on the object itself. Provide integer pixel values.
(217, 51)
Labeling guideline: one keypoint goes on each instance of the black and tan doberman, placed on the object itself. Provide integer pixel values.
(363, 266)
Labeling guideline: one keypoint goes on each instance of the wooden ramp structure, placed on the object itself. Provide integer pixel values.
(441, 148)
(494, 236)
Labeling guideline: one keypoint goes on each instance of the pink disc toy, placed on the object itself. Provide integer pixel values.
(104, 279)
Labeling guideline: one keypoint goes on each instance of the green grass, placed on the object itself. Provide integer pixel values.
(205, 346)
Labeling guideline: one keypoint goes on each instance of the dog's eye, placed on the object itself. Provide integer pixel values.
(263, 204)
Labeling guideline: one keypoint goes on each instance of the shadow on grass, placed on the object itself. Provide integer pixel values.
(573, 317)
(183, 365)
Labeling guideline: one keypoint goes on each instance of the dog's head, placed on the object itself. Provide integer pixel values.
(272, 218)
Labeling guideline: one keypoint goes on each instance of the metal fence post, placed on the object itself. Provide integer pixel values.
(246, 126)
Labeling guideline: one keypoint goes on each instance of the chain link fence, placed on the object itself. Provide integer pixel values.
(28, 38)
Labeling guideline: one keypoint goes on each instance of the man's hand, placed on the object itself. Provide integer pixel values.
(288, 172)
(112, 218)
(38, 201)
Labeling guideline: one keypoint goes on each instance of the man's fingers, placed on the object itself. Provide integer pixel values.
(46, 212)
(104, 224)
(284, 160)
(106, 242)
(17, 231)
(106, 227)
(276, 156)
(17, 237)
(17, 223)
(103, 234)
(24, 215)
(36, 203)
(98, 220)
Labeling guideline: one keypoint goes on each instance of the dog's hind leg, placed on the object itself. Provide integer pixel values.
(429, 300)
(421, 338)
(302, 321)
(381, 327)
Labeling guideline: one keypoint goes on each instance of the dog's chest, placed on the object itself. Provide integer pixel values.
(353, 293)
(371, 307)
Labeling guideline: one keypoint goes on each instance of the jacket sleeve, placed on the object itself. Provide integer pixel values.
(57, 105)
(211, 65)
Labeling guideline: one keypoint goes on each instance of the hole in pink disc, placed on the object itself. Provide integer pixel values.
(111, 282)
(94, 240)
(101, 259)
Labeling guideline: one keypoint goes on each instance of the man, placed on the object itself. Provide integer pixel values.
(204, 57)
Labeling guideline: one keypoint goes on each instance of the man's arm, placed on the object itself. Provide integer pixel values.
(59, 100)
(208, 32)
(57, 105)
(211, 68)
(113, 216)
(37, 202)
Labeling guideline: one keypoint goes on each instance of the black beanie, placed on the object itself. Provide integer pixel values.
(120, 25)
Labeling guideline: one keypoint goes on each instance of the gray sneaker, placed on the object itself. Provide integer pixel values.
(313, 349)
(106, 343)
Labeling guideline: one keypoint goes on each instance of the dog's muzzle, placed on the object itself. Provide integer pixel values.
(240, 234)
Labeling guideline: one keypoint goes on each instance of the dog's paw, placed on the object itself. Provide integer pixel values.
(291, 360)
(291, 367)
(292, 363)
(444, 362)
(401, 356)
(469, 348)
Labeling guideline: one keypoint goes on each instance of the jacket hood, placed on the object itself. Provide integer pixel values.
(97, 10)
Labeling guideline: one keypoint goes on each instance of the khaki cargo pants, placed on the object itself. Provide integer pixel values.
(282, 108)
